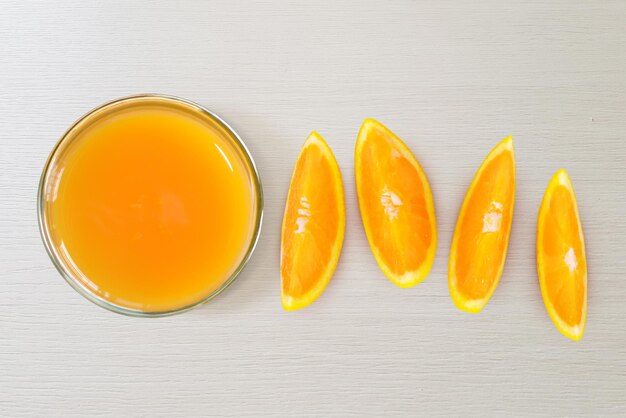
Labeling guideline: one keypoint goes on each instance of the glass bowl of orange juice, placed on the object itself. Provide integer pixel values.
(150, 205)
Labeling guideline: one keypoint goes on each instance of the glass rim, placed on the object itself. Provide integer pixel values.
(44, 230)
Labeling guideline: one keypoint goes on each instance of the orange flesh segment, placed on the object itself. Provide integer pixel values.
(313, 225)
(396, 205)
(561, 260)
(482, 233)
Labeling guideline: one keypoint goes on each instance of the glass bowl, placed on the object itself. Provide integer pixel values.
(54, 167)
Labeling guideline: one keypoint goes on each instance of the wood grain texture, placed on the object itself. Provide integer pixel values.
(450, 78)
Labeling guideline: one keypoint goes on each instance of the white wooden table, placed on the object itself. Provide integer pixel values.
(451, 79)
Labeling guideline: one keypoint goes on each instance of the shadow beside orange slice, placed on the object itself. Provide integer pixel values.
(482, 231)
(561, 261)
(396, 205)
(313, 225)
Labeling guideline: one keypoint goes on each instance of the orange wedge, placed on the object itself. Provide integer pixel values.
(313, 225)
(561, 261)
(482, 231)
(396, 205)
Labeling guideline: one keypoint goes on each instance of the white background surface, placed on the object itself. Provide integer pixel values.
(451, 79)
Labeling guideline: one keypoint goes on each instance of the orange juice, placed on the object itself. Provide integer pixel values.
(151, 204)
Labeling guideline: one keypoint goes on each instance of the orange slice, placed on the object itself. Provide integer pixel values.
(396, 205)
(561, 261)
(313, 225)
(482, 231)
